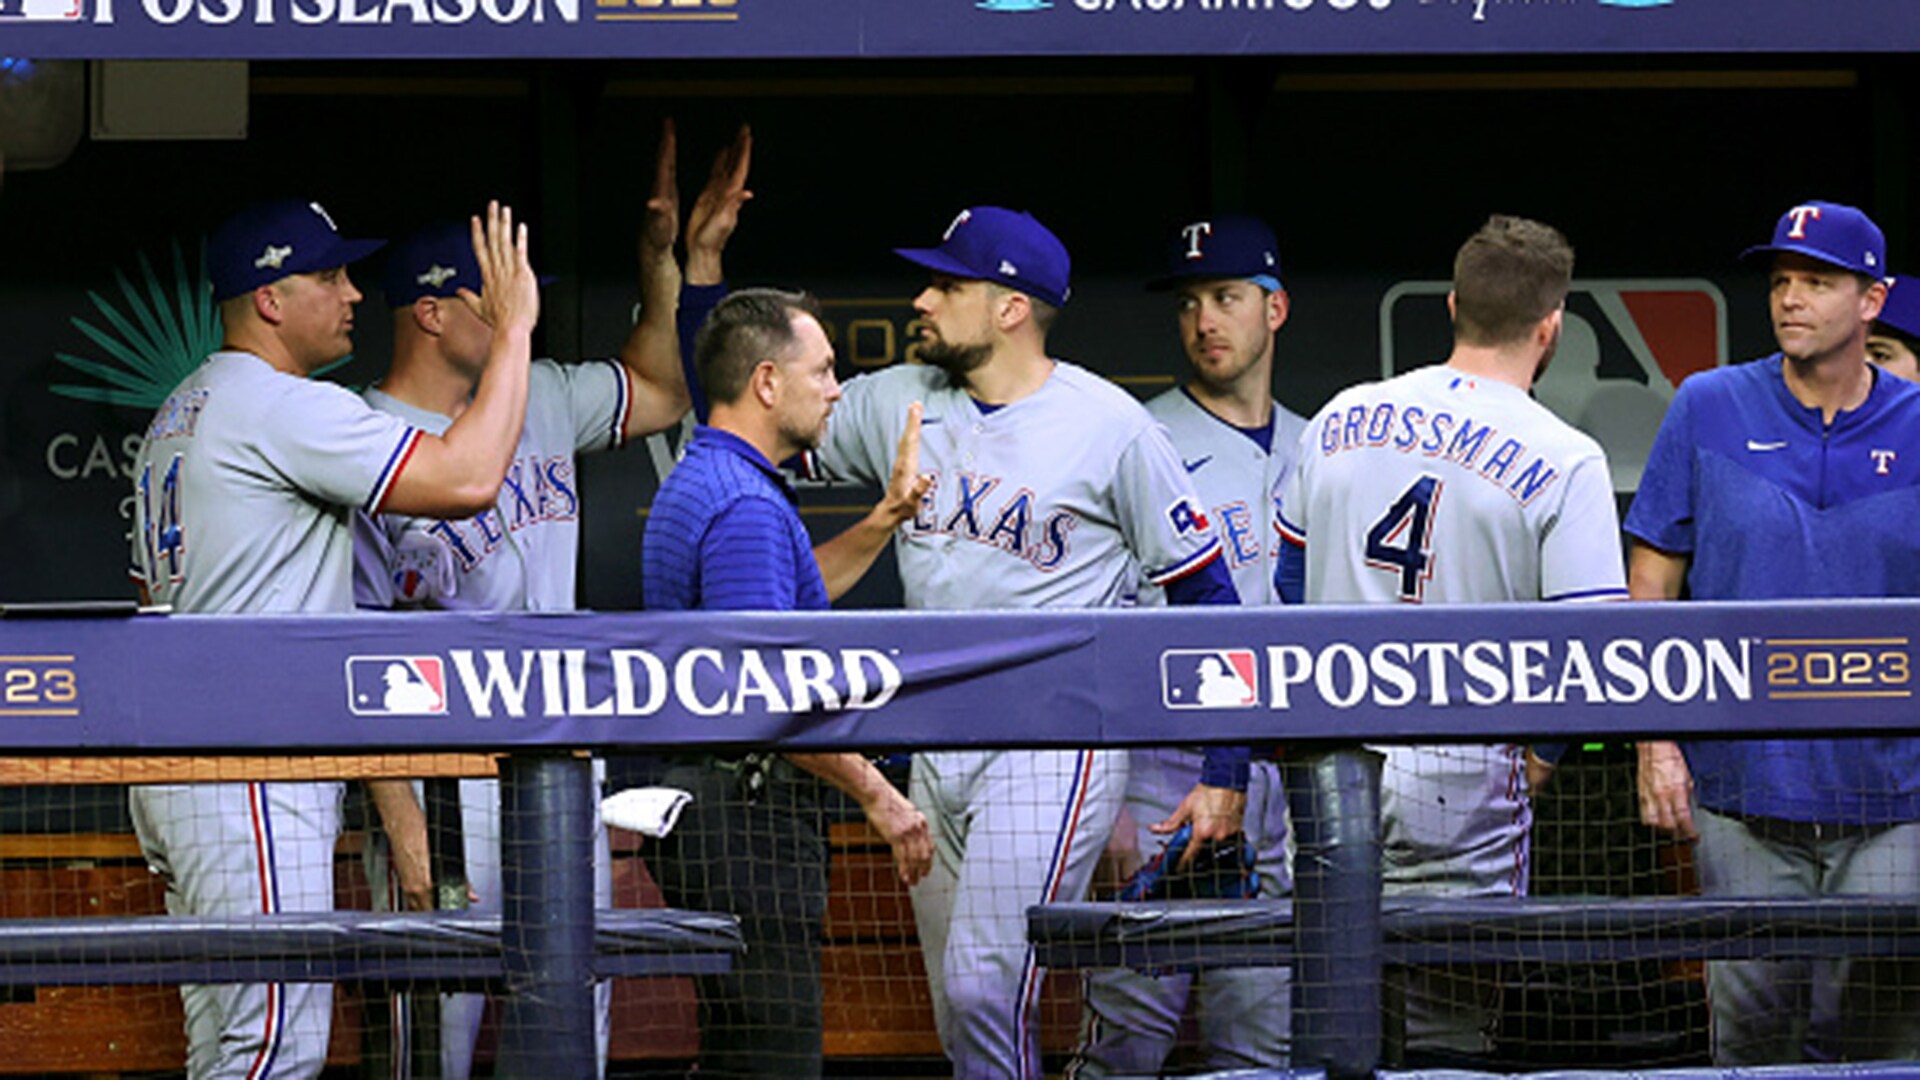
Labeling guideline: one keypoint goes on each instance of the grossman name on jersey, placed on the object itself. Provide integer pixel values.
(703, 681)
(1540, 671)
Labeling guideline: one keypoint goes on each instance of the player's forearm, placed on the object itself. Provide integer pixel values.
(651, 352)
(458, 474)
(1653, 574)
(855, 776)
(406, 827)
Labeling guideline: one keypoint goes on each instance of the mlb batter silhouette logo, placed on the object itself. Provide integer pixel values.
(1208, 679)
(396, 686)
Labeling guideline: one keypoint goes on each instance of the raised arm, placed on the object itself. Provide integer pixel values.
(651, 352)
(846, 558)
(458, 474)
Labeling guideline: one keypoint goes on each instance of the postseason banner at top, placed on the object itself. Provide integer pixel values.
(273, 29)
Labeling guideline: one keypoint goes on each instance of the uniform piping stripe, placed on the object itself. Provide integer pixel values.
(1057, 868)
(269, 904)
(1290, 532)
(395, 462)
(1187, 566)
(1589, 594)
(622, 406)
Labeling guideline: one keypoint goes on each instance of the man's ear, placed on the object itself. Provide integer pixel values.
(1277, 308)
(428, 316)
(764, 383)
(1548, 331)
(266, 304)
(1014, 309)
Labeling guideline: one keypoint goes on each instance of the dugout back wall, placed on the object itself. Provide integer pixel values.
(1372, 169)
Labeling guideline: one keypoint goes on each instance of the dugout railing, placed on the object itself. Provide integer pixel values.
(541, 688)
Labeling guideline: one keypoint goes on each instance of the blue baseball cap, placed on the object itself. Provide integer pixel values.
(1222, 246)
(435, 261)
(1902, 309)
(1008, 247)
(1832, 233)
(270, 240)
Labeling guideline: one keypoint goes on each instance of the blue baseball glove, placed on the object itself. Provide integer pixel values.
(1223, 870)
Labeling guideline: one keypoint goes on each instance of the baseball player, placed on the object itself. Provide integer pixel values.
(1236, 443)
(1795, 475)
(1894, 342)
(1051, 488)
(1449, 484)
(243, 491)
(521, 554)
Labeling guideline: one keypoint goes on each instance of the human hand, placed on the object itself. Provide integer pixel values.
(716, 212)
(907, 485)
(1216, 813)
(509, 295)
(1666, 789)
(904, 828)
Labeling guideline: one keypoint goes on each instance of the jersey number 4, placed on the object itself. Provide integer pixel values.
(1400, 542)
(159, 524)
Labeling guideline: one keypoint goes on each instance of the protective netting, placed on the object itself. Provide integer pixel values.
(837, 965)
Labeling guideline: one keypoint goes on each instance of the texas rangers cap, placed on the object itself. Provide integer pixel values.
(1222, 246)
(1009, 247)
(435, 261)
(1832, 233)
(1902, 309)
(271, 240)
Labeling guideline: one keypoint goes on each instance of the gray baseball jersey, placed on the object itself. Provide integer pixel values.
(1133, 1020)
(1238, 481)
(1439, 487)
(244, 485)
(243, 493)
(523, 555)
(1045, 502)
(1055, 500)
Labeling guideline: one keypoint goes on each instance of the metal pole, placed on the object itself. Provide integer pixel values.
(546, 877)
(1334, 796)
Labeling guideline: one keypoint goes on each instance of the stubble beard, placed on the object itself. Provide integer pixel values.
(957, 361)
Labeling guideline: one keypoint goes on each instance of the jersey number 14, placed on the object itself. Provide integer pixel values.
(1401, 541)
(159, 525)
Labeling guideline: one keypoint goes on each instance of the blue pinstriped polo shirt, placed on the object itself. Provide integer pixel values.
(724, 534)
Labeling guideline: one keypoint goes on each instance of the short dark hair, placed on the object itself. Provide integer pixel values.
(747, 327)
(1506, 278)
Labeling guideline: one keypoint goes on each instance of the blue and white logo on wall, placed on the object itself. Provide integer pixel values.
(1209, 679)
(1013, 5)
(396, 686)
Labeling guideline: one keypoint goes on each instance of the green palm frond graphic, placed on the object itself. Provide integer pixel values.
(154, 338)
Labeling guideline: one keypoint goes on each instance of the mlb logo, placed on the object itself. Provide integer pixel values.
(1209, 679)
(41, 11)
(1625, 345)
(396, 686)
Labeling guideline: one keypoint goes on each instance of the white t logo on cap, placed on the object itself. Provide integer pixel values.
(1800, 216)
(1193, 233)
(273, 257)
(959, 220)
